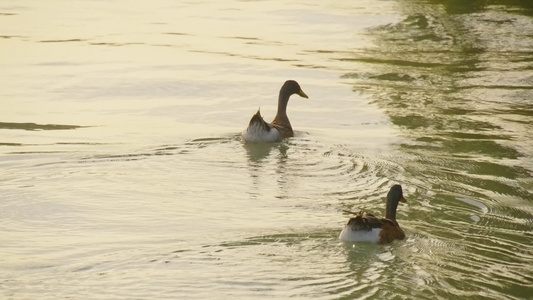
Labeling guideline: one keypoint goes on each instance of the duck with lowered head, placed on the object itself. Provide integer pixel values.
(365, 227)
(259, 131)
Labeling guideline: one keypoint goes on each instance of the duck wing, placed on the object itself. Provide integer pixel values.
(390, 231)
(284, 129)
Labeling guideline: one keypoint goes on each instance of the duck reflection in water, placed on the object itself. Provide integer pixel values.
(260, 151)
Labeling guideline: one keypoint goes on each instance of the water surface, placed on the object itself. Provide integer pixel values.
(124, 176)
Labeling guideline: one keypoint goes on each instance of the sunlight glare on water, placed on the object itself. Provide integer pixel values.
(123, 173)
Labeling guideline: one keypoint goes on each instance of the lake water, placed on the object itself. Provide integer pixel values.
(123, 175)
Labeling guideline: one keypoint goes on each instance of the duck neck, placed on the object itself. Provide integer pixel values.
(283, 100)
(390, 210)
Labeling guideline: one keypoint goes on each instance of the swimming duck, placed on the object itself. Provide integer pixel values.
(365, 227)
(259, 131)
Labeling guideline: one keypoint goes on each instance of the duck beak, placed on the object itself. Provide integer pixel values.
(302, 94)
(403, 200)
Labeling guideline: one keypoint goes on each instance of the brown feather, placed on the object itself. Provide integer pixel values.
(390, 232)
(284, 127)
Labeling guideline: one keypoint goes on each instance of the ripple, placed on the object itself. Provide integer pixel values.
(445, 246)
(280, 252)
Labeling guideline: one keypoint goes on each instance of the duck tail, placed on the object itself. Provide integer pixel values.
(365, 222)
(257, 119)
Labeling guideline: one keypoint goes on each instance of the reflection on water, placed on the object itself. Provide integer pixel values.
(461, 96)
(33, 126)
(259, 151)
(153, 195)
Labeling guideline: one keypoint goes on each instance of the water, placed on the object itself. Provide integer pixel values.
(123, 174)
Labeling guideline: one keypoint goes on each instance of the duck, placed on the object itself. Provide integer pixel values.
(259, 131)
(365, 227)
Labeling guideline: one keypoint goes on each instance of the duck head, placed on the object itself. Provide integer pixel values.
(291, 87)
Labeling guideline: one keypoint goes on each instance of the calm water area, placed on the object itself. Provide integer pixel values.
(123, 174)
